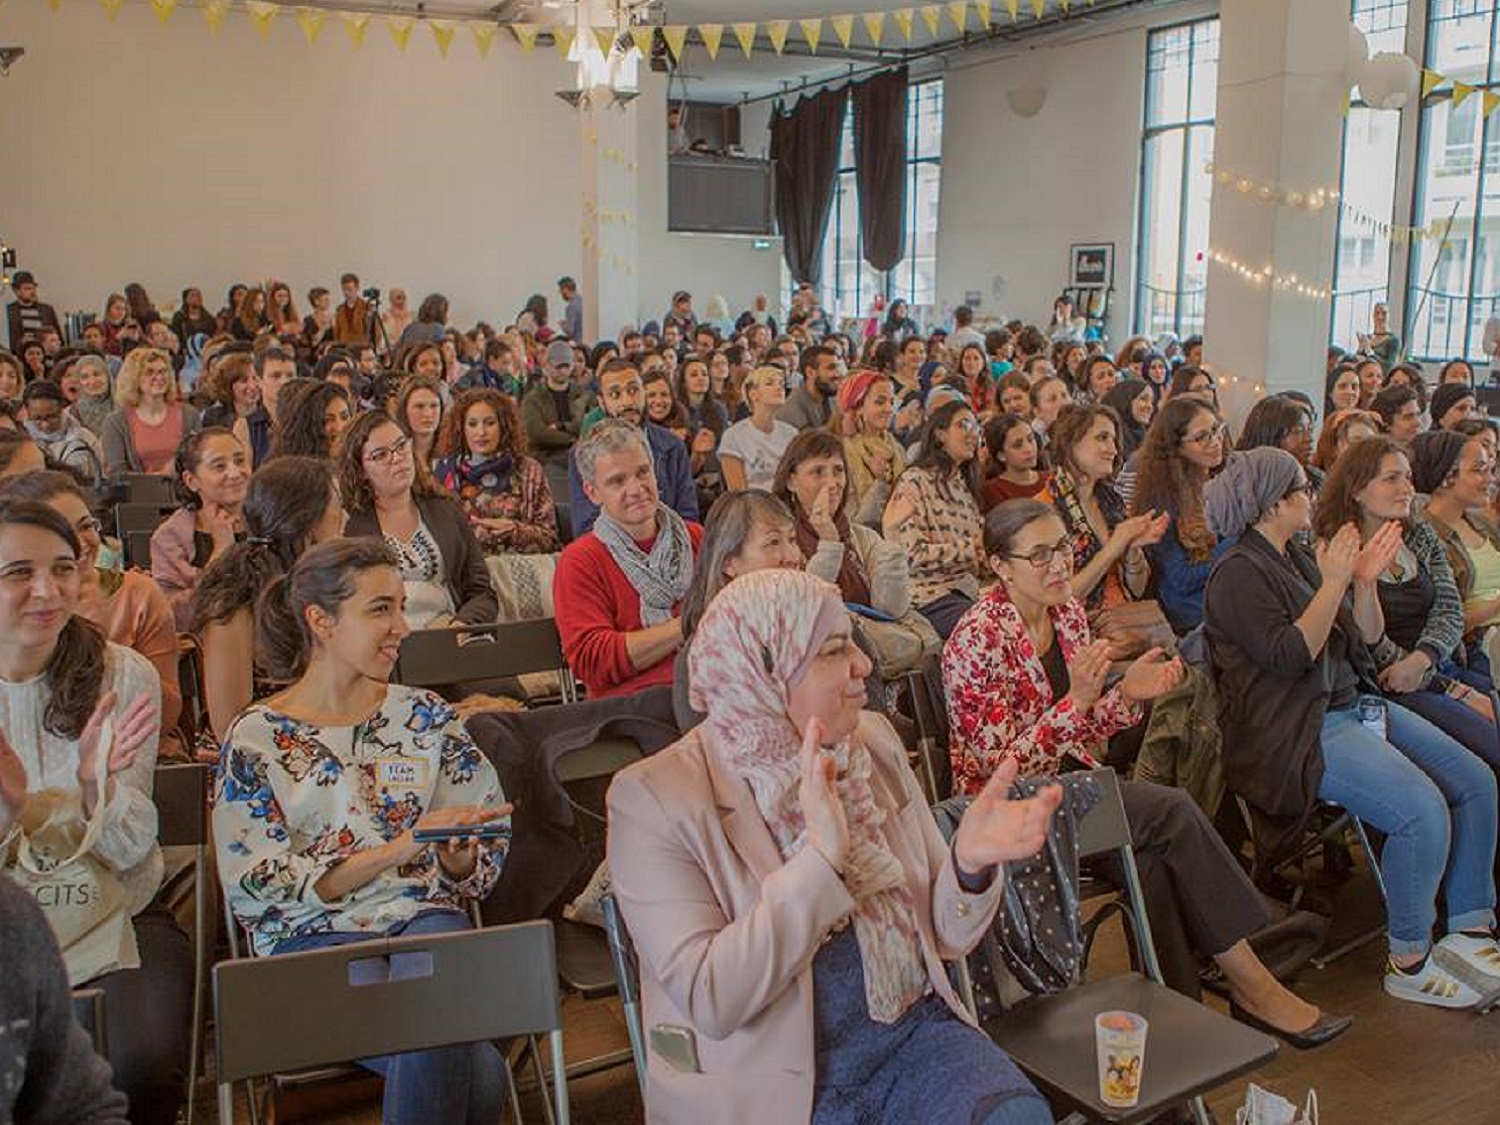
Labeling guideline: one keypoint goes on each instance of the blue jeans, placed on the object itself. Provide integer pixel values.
(459, 1085)
(1455, 718)
(1436, 804)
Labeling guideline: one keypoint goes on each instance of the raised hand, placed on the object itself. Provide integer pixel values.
(1336, 556)
(995, 828)
(1377, 556)
(1087, 672)
(1151, 675)
(132, 731)
(821, 516)
(902, 506)
(827, 827)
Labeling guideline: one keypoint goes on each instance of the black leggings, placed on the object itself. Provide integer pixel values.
(1199, 900)
(148, 1016)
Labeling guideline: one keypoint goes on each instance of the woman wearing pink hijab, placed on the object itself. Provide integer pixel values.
(791, 898)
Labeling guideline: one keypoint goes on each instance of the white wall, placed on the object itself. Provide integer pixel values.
(161, 154)
(703, 264)
(1017, 192)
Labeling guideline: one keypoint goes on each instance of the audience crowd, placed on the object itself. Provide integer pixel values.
(777, 521)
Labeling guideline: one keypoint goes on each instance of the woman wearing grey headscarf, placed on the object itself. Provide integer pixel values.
(1287, 631)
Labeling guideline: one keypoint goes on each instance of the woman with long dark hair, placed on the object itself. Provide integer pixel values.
(312, 421)
(64, 690)
(934, 515)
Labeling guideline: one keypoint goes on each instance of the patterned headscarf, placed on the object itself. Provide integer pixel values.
(756, 642)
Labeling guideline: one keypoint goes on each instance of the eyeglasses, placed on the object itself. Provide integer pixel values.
(1041, 557)
(387, 453)
(1206, 437)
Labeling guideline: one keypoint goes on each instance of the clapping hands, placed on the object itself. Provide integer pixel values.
(997, 828)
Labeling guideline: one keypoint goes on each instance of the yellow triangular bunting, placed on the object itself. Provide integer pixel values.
(1064, 5)
(903, 17)
(1490, 102)
(675, 36)
(932, 15)
(111, 7)
(745, 33)
(563, 38)
(1010, 6)
(163, 9)
(214, 12)
(484, 37)
(776, 31)
(311, 20)
(713, 35)
(843, 27)
(812, 31)
(261, 14)
(1461, 92)
(355, 26)
(643, 37)
(400, 29)
(1431, 79)
(982, 10)
(605, 37)
(1038, 7)
(56, 4)
(442, 34)
(874, 26)
(958, 11)
(525, 34)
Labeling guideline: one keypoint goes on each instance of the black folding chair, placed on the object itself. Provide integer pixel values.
(88, 1011)
(627, 982)
(474, 986)
(181, 795)
(1191, 1049)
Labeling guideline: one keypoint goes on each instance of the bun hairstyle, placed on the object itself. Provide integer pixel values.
(75, 670)
(286, 500)
(323, 577)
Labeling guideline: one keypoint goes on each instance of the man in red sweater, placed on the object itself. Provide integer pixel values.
(618, 589)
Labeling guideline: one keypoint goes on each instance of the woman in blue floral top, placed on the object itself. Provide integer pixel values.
(321, 786)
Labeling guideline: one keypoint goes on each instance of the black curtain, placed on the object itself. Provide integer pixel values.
(805, 151)
(880, 166)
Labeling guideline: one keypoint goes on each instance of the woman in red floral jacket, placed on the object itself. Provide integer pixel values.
(1024, 680)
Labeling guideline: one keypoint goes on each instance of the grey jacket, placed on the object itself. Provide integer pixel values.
(884, 563)
(119, 451)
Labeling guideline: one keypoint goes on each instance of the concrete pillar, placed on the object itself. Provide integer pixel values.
(1279, 120)
(607, 216)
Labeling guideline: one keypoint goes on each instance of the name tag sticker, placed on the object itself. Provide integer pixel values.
(401, 773)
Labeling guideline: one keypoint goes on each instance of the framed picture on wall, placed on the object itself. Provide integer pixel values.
(1091, 265)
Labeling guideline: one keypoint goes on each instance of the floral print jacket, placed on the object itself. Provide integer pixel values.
(999, 701)
(293, 800)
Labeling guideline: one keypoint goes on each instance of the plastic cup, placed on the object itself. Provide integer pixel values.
(1120, 1041)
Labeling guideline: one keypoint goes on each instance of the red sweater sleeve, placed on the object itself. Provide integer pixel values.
(595, 606)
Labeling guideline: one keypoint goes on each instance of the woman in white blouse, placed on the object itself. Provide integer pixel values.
(325, 787)
(69, 698)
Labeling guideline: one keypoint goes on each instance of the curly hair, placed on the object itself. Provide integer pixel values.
(1167, 481)
(354, 483)
(226, 374)
(133, 370)
(450, 440)
(300, 429)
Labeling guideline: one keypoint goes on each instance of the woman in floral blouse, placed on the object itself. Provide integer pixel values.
(1025, 682)
(321, 786)
(482, 461)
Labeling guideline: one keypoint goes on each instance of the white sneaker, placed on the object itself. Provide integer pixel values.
(1432, 984)
(1473, 960)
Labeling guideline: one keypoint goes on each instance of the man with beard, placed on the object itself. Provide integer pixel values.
(622, 395)
(810, 406)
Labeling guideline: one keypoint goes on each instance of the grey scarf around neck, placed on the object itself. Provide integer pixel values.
(660, 576)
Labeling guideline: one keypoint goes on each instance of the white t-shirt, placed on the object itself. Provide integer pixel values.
(758, 451)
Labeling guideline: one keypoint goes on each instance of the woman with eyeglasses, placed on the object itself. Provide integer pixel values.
(1288, 629)
(81, 718)
(388, 494)
(149, 421)
(1183, 447)
(1286, 424)
(1457, 474)
(1419, 656)
(934, 515)
(1025, 685)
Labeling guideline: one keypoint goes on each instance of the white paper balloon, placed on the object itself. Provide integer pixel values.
(1027, 100)
(1359, 53)
(1389, 80)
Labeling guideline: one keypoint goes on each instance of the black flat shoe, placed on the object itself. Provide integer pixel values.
(1327, 1029)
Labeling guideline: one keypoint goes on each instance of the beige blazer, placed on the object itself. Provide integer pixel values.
(726, 931)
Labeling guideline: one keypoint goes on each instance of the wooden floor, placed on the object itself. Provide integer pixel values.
(1401, 1064)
